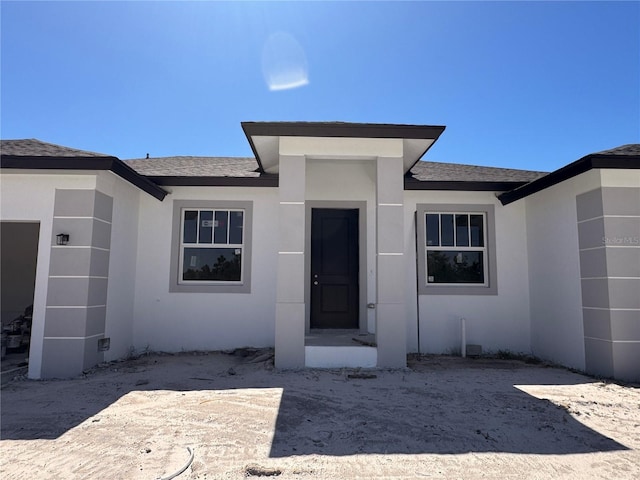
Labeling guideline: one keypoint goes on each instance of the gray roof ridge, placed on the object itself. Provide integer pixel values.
(212, 157)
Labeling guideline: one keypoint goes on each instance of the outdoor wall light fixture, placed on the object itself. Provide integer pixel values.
(62, 239)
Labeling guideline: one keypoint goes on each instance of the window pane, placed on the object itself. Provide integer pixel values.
(433, 229)
(206, 226)
(212, 264)
(446, 225)
(450, 266)
(477, 231)
(190, 232)
(221, 227)
(462, 230)
(235, 227)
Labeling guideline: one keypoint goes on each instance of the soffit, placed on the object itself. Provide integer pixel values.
(338, 140)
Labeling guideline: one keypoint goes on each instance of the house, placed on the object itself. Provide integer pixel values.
(336, 245)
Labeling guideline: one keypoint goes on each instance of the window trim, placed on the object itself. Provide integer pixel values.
(175, 282)
(490, 287)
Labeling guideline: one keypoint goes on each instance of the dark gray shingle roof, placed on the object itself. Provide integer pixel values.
(453, 172)
(184, 166)
(34, 154)
(32, 147)
(246, 167)
(631, 149)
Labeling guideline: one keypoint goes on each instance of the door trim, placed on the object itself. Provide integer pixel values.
(361, 206)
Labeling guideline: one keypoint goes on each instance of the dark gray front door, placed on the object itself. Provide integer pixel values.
(334, 268)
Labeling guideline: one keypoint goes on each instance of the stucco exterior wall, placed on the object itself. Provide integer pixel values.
(122, 263)
(350, 180)
(176, 321)
(497, 322)
(609, 241)
(554, 270)
(30, 196)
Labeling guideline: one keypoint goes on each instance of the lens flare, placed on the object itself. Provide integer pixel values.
(284, 63)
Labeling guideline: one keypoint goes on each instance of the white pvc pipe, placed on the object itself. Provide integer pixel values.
(463, 335)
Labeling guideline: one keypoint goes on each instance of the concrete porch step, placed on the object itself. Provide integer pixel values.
(340, 357)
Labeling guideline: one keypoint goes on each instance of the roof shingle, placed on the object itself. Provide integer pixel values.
(185, 166)
(453, 172)
(629, 150)
(33, 147)
(239, 167)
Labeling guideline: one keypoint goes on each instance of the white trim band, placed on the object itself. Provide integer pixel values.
(607, 216)
(75, 338)
(76, 306)
(83, 218)
(78, 276)
(613, 309)
(81, 246)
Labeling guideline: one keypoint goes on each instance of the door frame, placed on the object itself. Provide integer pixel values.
(361, 206)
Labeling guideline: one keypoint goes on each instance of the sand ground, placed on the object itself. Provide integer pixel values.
(443, 417)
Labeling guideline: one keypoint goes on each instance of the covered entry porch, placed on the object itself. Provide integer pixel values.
(336, 288)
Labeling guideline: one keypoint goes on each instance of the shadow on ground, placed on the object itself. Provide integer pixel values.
(437, 406)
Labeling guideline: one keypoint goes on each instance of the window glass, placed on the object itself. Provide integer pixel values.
(206, 226)
(463, 261)
(477, 230)
(446, 222)
(450, 266)
(212, 253)
(221, 227)
(462, 230)
(433, 229)
(235, 227)
(212, 264)
(190, 233)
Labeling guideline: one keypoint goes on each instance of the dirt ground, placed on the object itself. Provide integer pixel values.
(443, 417)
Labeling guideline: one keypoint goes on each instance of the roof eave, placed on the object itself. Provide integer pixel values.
(339, 130)
(112, 164)
(473, 186)
(192, 181)
(589, 162)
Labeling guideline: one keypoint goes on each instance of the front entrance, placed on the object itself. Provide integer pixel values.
(334, 268)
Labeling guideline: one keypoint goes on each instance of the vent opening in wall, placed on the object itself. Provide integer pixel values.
(104, 344)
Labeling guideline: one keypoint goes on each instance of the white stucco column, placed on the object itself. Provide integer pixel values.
(391, 335)
(290, 306)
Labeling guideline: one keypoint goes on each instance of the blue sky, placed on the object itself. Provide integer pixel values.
(532, 85)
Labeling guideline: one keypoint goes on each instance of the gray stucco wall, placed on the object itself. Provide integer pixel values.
(77, 287)
(609, 241)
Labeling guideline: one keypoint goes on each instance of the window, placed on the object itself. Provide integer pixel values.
(455, 248)
(456, 251)
(211, 247)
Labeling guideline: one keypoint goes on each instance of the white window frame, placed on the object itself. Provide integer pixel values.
(490, 285)
(447, 248)
(176, 283)
(211, 245)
